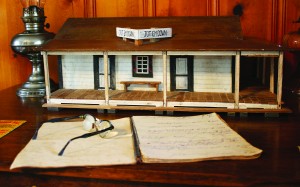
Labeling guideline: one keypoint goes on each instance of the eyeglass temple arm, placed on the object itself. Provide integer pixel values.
(53, 121)
(61, 152)
(65, 118)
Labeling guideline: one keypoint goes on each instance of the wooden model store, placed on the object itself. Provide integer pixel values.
(195, 69)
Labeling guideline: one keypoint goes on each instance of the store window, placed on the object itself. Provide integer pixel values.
(142, 66)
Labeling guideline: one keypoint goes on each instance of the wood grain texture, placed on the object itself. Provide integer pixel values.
(291, 13)
(57, 13)
(115, 8)
(277, 166)
(256, 18)
(181, 8)
(268, 19)
(13, 69)
(250, 98)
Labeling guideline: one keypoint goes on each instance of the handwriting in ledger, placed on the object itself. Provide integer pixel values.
(203, 135)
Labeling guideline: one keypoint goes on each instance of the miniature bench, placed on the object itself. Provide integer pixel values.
(154, 84)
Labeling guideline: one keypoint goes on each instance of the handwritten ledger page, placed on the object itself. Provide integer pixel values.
(186, 139)
(92, 151)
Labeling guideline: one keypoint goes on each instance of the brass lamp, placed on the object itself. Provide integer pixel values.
(29, 43)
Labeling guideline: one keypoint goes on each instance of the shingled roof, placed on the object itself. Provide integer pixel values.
(206, 33)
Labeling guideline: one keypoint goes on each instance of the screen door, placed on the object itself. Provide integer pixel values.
(99, 72)
(181, 72)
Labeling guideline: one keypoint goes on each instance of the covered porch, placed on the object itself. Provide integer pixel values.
(249, 98)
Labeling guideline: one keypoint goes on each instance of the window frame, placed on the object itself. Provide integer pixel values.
(135, 68)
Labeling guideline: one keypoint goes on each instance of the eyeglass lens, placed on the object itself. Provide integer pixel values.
(88, 122)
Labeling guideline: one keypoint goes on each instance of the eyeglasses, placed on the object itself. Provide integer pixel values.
(102, 127)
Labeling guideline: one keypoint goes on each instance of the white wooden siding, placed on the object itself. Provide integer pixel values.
(124, 73)
(211, 73)
(77, 72)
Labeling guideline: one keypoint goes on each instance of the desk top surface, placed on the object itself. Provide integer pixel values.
(277, 137)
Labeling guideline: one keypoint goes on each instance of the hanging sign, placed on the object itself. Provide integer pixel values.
(138, 34)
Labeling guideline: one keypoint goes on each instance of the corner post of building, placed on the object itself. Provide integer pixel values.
(279, 79)
(237, 79)
(164, 54)
(105, 60)
(46, 74)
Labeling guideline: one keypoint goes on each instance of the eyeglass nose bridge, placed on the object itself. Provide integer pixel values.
(106, 126)
(39, 125)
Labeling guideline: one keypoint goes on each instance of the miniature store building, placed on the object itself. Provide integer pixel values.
(196, 69)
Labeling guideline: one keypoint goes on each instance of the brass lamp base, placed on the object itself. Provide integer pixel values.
(35, 85)
(29, 89)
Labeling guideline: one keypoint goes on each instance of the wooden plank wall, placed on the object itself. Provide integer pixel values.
(265, 19)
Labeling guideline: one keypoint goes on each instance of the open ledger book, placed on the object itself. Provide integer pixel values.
(159, 139)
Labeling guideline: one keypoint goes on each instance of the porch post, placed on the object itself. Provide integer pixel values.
(105, 60)
(164, 53)
(46, 74)
(279, 81)
(237, 79)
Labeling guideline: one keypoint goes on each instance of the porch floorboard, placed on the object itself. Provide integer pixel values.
(253, 95)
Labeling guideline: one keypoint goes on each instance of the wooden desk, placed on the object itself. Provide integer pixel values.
(279, 164)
